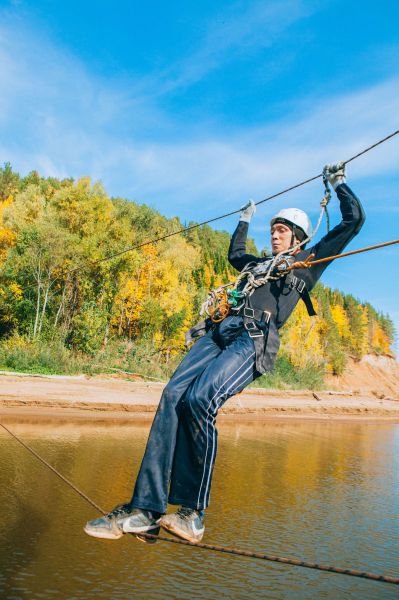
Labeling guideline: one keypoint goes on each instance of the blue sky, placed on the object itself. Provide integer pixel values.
(194, 107)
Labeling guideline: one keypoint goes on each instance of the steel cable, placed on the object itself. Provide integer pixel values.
(229, 214)
(234, 212)
(213, 547)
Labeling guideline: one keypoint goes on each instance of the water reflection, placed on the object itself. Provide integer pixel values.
(319, 490)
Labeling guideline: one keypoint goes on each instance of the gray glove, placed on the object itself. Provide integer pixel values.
(247, 211)
(335, 174)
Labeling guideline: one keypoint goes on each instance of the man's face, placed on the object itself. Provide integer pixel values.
(280, 237)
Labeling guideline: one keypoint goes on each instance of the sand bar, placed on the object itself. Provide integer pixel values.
(121, 398)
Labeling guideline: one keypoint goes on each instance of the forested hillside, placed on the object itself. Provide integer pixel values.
(64, 309)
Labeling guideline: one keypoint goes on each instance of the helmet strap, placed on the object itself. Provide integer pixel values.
(292, 236)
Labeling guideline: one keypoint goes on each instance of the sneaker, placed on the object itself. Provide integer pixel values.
(109, 526)
(186, 523)
(141, 521)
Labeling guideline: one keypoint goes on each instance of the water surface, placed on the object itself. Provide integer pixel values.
(317, 490)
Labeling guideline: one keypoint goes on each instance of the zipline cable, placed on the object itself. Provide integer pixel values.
(233, 212)
(215, 548)
(388, 137)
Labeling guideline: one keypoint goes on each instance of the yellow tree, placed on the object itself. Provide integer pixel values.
(135, 289)
(341, 320)
(7, 236)
(380, 342)
(301, 337)
(174, 288)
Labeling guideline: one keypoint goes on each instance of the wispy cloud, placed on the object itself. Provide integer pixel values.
(61, 119)
(255, 162)
(238, 32)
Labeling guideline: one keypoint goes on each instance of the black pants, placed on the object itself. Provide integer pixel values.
(181, 449)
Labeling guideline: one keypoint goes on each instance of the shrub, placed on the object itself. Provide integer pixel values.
(286, 376)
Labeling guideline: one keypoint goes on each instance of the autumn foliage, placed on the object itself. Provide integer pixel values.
(55, 283)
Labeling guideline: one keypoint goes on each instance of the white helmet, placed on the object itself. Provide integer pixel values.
(296, 219)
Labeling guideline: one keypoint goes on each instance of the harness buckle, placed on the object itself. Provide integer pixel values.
(256, 334)
(235, 310)
(253, 330)
(249, 312)
(300, 286)
(268, 315)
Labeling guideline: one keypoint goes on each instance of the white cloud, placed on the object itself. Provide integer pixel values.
(60, 119)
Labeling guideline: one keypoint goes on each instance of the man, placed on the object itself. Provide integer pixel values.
(181, 449)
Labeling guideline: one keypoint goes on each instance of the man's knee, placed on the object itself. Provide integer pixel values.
(170, 395)
(199, 403)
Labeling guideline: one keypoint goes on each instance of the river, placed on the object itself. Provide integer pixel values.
(322, 491)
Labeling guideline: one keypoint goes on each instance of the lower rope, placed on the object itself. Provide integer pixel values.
(309, 262)
(224, 549)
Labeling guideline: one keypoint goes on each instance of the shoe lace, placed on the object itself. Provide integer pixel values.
(118, 510)
(185, 512)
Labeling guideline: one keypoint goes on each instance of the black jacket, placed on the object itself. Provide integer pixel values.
(278, 297)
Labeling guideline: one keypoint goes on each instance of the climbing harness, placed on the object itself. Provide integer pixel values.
(260, 323)
(224, 549)
(220, 301)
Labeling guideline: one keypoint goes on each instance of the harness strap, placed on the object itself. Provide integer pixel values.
(251, 317)
(302, 290)
(258, 324)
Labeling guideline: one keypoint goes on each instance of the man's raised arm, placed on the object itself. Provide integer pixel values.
(238, 256)
(352, 221)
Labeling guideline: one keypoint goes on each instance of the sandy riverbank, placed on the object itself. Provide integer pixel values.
(113, 398)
